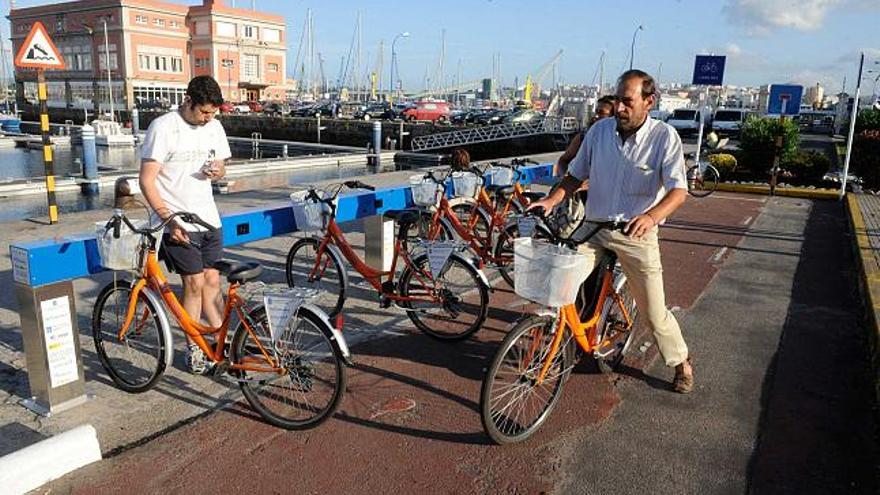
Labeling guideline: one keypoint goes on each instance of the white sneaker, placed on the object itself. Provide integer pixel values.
(196, 361)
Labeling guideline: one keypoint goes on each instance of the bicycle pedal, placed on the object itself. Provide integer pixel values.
(220, 368)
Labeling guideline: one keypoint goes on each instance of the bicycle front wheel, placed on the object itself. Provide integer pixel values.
(304, 269)
(462, 300)
(310, 386)
(513, 405)
(614, 331)
(702, 184)
(137, 361)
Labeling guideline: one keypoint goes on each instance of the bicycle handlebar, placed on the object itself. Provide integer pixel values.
(119, 217)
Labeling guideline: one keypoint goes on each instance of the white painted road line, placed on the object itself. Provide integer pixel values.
(720, 254)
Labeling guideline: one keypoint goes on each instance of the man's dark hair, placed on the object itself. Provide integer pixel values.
(648, 86)
(607, 100)
(203, 90)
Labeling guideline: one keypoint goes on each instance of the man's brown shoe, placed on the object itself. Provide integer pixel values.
(683, 383)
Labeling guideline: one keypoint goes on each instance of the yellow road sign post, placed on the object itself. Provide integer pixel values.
(40, 53)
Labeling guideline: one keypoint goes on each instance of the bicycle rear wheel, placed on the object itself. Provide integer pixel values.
(137, 361)
(512, 404)
(703, 184)
(463, 304)
(328, 277)
(310, 388)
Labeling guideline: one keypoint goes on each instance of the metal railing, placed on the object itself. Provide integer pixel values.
(473, 135)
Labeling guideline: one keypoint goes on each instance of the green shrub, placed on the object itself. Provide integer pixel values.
(758, 143)
(725, 163)
(868, 120)
(865, 159)
(806, 166)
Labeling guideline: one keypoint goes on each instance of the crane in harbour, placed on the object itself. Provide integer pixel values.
(540, 74)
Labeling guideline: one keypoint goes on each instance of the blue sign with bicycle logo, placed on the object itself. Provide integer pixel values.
(709, 70)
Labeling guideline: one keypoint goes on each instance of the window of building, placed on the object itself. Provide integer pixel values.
(202, 62)
(271, 35)
(144, 62)
(273, 67)
(202, 28)
(176, 65)
(102, 61)
(59, 25)
(174, 24)
(226, 29)
(159, 22)
(250, 66)
(141, 19)
(227, 63)
(250, 32)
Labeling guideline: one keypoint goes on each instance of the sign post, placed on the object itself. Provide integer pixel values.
(784, 100)
(708, 71)
(38, 52)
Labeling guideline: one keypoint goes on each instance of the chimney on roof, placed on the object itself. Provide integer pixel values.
(211, 3)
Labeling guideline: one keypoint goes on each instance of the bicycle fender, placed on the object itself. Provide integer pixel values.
(337, 335)
(163, 322)
(467, 261)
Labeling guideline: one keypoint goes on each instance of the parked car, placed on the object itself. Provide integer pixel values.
(375, 111)
(523, 117)
(727, 121)
(255, 106)
(434, 111)
(241, 108)
(490, 117)
(326, 109)
(226, 107)
(276, 108)
(685, 120)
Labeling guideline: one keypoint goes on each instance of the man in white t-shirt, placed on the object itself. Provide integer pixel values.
(636, 171)
(182, 153)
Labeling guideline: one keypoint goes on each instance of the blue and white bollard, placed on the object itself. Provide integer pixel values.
(135, 123)
(90, 161)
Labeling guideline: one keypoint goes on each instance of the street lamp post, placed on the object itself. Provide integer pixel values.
(394, 61)
(107, 60)
(632, 47)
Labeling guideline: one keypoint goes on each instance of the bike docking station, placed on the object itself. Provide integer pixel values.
(44, 271)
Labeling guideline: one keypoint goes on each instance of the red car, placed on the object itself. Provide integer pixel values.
(256, 107)
(435, 111)
(226, 107)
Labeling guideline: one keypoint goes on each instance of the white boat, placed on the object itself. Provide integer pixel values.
(109, 133)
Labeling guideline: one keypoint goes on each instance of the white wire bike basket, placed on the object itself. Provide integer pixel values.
(308, 213)
(124, 252)
(425, 192)
(499, 176)
(281, 304)
(548, 274)
(466, 184)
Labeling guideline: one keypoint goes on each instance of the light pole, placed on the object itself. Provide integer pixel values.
(394, 61)
(632, 47)
(107, 59)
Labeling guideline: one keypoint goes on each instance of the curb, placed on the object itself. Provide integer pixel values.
(793, 192)
(49, 459)
(869, 283)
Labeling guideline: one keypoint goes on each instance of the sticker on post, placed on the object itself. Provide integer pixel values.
(280, 310)
(526, 226)
(438, 255)
(60, 347)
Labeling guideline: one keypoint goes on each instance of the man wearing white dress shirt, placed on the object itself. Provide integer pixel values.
(636, 171)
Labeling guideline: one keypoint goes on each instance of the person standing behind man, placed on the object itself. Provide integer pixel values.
(182, 153)
(636, 170)
(604, 109)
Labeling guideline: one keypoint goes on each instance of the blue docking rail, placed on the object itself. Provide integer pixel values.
(50, 261)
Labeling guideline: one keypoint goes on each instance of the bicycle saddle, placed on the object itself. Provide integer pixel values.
(402, 216)
(500, 189)
(237, 272)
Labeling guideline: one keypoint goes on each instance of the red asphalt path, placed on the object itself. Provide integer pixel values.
(437, 446)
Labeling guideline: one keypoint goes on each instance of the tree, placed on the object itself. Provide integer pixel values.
(868, 120)
(758, 142)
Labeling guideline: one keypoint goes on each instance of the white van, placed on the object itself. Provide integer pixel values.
(727, 121)
(685, 120)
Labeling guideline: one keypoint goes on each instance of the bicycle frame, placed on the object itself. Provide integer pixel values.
(153, 278)
(334, 235)
(569, 318)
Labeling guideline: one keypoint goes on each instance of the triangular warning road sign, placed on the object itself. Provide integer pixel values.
(38, 51)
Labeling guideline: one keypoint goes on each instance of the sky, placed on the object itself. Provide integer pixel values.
(765, 41)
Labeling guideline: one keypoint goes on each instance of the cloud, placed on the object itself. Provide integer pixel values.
(760, 17)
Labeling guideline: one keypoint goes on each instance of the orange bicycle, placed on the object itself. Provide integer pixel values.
(447, 302)
(287, 358)
(525, 379)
